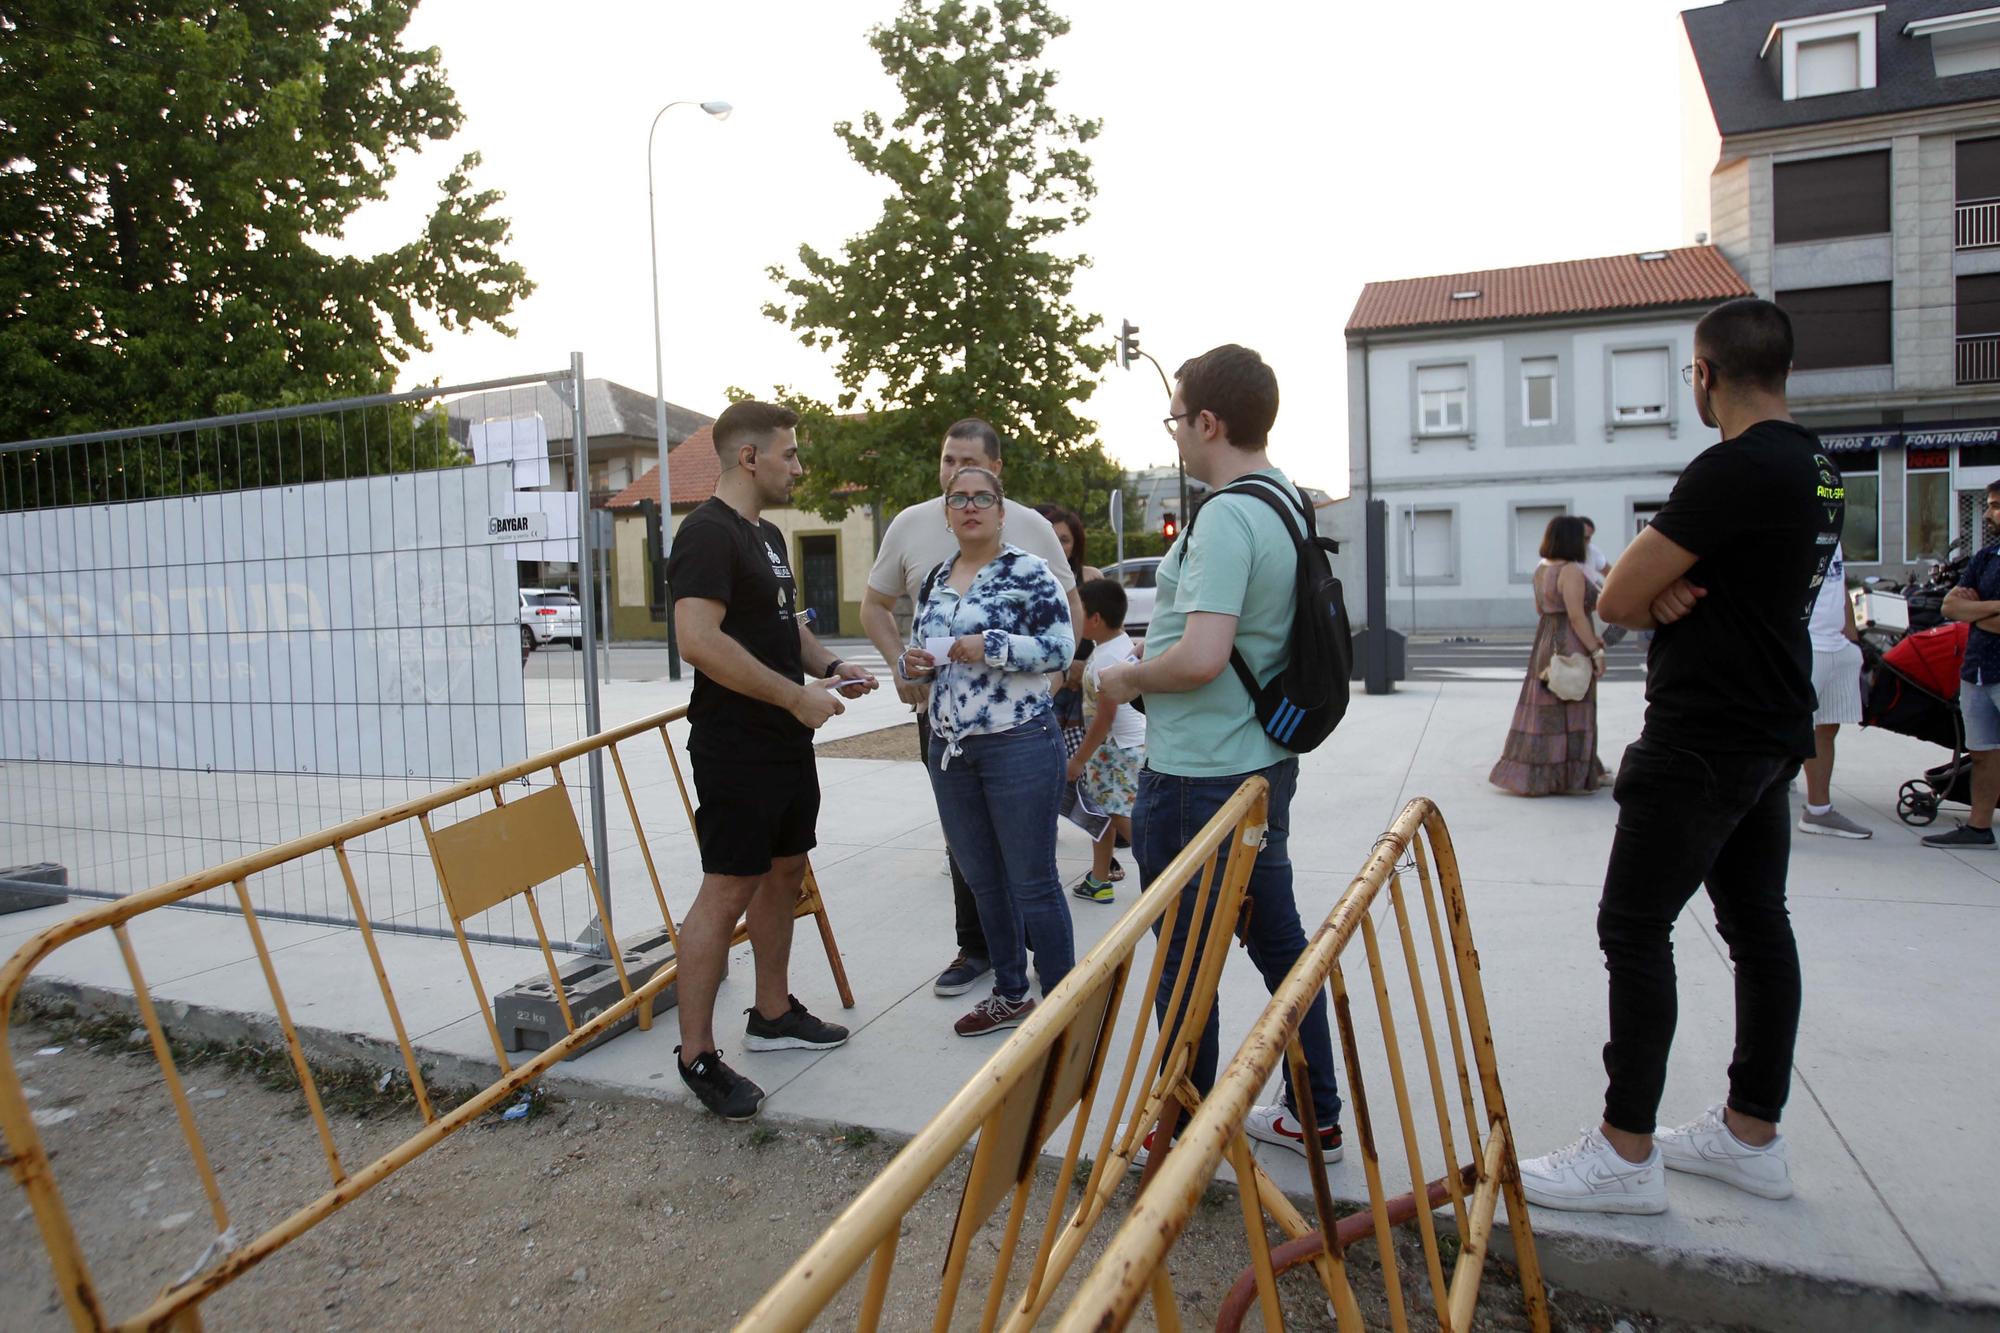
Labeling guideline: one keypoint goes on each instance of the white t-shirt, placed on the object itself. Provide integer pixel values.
(1595, 566)
(1128, 724)
(918, 542)
(1829, 614)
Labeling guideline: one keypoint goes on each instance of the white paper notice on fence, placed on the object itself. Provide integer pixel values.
(522, 442)
(365, 628)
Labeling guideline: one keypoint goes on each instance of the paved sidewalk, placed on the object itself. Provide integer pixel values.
(1894, 1081)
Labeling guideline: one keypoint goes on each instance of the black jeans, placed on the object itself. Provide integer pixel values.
(1685, 819)
(971, 935)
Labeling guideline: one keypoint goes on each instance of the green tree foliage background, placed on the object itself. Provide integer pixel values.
(171, 170)
(956, 303)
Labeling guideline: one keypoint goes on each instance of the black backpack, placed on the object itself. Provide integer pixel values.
(1301, 705)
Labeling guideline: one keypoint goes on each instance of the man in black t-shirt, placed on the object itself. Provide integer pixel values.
(1726, 575)
(750, 726)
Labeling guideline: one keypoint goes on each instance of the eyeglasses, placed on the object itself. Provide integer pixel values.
(976, 500)
(1687, 372)
(1172, 423)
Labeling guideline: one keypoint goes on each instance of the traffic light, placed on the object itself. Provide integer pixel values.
(1170, 525)
(1128, 343)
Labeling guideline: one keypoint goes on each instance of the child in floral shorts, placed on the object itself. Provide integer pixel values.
(1107, 764)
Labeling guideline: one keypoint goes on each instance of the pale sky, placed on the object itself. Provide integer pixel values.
(1259, 162)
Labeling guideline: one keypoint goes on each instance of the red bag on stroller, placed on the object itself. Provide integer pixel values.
(1932, 658)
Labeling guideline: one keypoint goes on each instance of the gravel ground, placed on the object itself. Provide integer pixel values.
(607, 1214)
(898, 742)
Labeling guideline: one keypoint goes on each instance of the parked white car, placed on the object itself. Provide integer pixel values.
(553, 614)
(1136, 576)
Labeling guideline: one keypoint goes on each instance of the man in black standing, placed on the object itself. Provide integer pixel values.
(750, 725)
(1727, 574)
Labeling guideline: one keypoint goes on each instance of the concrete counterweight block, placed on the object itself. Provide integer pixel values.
(530, 1019)
(24, 888)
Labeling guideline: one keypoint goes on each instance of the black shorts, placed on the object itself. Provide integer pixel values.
(748, 814)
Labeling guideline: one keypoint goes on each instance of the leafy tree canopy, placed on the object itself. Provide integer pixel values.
(171, 170)
(955, 304)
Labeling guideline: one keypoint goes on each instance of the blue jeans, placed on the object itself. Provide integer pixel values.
(999, 800)
(1170, 812)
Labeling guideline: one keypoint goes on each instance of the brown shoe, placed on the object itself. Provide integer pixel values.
(994, 1014)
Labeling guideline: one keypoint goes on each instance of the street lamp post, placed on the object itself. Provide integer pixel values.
(720, 110)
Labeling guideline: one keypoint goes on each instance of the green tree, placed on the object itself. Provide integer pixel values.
(954, 303)
(172, 171)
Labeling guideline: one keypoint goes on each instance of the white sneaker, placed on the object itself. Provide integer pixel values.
(1832, 824)
(1277, 1124)
(1705, 1147)
(1589, 1176)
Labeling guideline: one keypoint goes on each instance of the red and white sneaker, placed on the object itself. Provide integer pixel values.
(1277, 1124)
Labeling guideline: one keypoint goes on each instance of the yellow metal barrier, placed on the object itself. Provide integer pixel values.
(1049, 1068)
(1135, 1263)
(480, 862)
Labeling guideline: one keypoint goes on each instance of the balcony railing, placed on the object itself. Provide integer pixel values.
(1979, 358)
(1978, 223)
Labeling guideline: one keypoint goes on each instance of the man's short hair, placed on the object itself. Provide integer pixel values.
(1105, 599)
(972, 428)
(1993, 487)
(1747, 341)
(1586, 520)
(750, 422)
(1233, 383)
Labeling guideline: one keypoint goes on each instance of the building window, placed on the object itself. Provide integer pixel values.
(1926, 513)
(1538, 391)
(1820, 54)
(1642, 515)
(1829, 65)
(1443, 399)
(1978, 316)
(1531, 521)
(1825, 197)
(1837, 327)
(1639, 390)
(1962, 43)
(1861, 530)
(1430, 545)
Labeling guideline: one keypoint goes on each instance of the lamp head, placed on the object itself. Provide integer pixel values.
(720, 110)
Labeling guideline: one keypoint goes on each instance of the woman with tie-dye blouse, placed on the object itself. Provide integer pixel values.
(996, 756)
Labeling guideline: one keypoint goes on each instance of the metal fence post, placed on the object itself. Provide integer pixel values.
(593, 721)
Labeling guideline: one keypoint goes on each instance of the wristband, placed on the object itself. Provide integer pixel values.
(832, 669)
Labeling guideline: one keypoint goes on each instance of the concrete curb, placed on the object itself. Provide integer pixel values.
(1671, 1283)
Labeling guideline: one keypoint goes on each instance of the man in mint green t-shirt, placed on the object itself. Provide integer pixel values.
(1229, 582)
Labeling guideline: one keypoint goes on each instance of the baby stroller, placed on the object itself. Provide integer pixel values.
(1912, 690)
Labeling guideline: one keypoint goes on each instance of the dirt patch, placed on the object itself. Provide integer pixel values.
(612, 1214)
(898, 742)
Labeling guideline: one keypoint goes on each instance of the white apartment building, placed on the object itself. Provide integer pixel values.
(1481, 405)
(1852, 168)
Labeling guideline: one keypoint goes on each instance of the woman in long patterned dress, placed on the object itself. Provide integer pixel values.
(1552, 746)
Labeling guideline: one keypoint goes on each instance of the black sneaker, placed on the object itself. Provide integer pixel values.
(1964, 836)
(793, 1030)
(720, 1088)
(963, 974)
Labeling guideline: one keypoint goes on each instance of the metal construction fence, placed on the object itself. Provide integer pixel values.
(1051, 1069)
(1470, 1184)
(486, 850)
(219, 635)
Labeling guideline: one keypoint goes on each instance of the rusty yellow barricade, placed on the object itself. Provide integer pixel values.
(1050, 1068)
(480, 861)
(1135, 1263)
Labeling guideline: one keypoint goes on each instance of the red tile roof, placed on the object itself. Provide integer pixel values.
(692, 467)
(1695, 275)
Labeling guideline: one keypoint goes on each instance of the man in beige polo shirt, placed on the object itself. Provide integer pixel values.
(917, 541)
